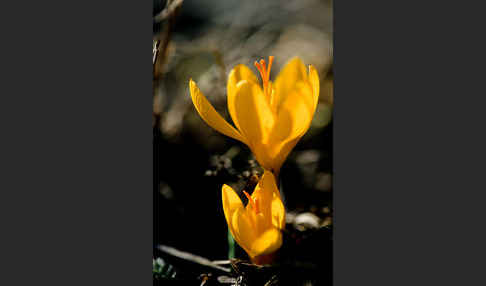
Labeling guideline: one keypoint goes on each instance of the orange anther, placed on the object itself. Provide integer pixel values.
(259, 67)
(264, 68)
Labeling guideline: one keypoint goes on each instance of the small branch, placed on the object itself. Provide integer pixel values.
(221, 262)
(171, 7)
(163, 47)
(155, 51)
(191, 257)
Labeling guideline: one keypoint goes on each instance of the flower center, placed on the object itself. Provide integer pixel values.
(253, 202)
(265, 74)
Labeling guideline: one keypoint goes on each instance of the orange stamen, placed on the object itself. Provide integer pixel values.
(270, 61)
(265, 73)
(259, 68)
(250, 200)
(253, 203)
(257, 209)
(262, 63)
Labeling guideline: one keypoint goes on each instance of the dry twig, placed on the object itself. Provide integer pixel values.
(155, 51)
(168, 10)
(191, 257)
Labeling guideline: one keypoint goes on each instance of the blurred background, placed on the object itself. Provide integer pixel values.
(204, 40)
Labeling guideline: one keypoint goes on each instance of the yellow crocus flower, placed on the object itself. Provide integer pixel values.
(256, 227)
(270, 120)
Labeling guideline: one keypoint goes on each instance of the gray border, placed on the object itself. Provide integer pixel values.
(408, 129)
(76, 206)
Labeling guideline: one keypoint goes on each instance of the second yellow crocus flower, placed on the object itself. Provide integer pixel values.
(256, 227)
(270, 120)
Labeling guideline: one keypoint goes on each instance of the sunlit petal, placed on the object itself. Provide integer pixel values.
(210, 115)
(277, 207)
(242, 229)
(265, 189)
(271, 203)
(252, 112)
(293, 121)
(299, 106)
(255, 119)
(235, 214)
(231, 201)
(282, 151)
(294, 71)
(314, 80)
(268, 242)
(237, 74)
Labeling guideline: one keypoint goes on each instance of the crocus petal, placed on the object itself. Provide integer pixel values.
(299, 106)
(237, 74)
(210, 115)
(293, 72)
(282, 154)
(294, 114)
(278, 212)
(314, 81)
(236, 218)
(254, 117)
(264, 191)
(293, 120)
(277, 207)
(268, 242)
(252, 112)
(272, 206)
(231, 201)
(257, 232)
(242, 229)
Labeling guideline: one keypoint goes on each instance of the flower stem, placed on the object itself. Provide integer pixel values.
(231, 246)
